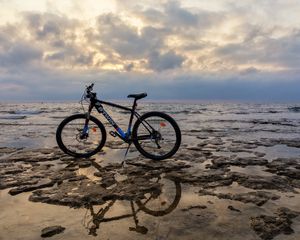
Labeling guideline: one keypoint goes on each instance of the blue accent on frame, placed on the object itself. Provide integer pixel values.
(123, 135)
(85, 129)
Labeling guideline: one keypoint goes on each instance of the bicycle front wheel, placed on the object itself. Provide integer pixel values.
(156, 135)
(79, 141)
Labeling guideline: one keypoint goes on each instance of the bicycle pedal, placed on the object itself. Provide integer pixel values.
(113, 134)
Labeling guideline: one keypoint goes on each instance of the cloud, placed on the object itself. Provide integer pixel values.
(160, 62)
(19, 53)
(118, 36)
(282, 51)
(213, 50)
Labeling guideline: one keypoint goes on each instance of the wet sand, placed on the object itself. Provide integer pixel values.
(225, 182)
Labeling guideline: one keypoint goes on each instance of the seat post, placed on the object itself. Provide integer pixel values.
(131, 118)
(134, 104)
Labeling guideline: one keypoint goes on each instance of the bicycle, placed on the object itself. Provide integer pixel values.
(155, 135)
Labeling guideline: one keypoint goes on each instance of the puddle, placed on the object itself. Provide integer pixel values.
(251, 170)
(279, 151)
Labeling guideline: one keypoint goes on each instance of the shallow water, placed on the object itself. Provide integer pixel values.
(209, 129)
(33, 124)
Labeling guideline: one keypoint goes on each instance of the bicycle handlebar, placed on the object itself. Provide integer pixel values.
(88, 91)
(90, 88)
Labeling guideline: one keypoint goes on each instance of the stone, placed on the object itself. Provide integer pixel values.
(233, 209)
(51, 231)
(194, 207)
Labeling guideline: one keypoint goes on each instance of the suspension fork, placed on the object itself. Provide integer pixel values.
(87, 119)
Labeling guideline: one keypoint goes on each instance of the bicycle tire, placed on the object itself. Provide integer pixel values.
(72, 153)
(166, 118)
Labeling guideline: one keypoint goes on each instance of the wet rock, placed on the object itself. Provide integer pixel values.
(259, 154)
(220, 162)
(65, 174)
(273, 122)
(133, 189)
(264, 182)
(108, 180)
(233, 209)
(51, 231)
(289, 142)
(84, 164)
(143, 166)
(191, 156)
(86, 192)
(12, 182)
(116, 144)
(294, 109)
(199, 149)
(73, 194)
(36, 155)
(205, 179)
(259, 198)
(139, 229)
(8, 150)
(267, 227)
(28, 188)
(12, 170)
(194, 207)
(237, 149)
(289, 167)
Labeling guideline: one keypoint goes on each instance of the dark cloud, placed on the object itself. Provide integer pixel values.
(177, 16)
(164, 61)
(284, 51)
(50, 27)
(19, 53)
(44, 84)
(250, 70)
(125, 39)
(129, 67)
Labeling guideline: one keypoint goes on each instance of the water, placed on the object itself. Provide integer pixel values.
(226, 127)
(34, 124)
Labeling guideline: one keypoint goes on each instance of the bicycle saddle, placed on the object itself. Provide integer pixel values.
(137, 96)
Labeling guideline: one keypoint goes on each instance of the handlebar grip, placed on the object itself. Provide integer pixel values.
(90, 88)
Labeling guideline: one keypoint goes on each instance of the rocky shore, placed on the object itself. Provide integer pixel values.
(51, 177)
(235, 176)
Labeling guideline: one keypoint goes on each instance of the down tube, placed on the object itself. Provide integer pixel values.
(111, 121)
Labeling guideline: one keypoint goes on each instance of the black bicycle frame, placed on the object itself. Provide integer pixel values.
(125, 136)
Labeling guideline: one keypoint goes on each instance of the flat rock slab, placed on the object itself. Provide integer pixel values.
(241, 162)
(86, 192)
(289, 167)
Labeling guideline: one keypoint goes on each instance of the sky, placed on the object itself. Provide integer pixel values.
(184, 50)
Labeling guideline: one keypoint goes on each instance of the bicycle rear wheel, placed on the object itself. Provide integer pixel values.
(76, 141)
(156, 135)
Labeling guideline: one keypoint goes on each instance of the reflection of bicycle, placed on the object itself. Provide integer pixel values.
(156, 135)
(152, 205)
